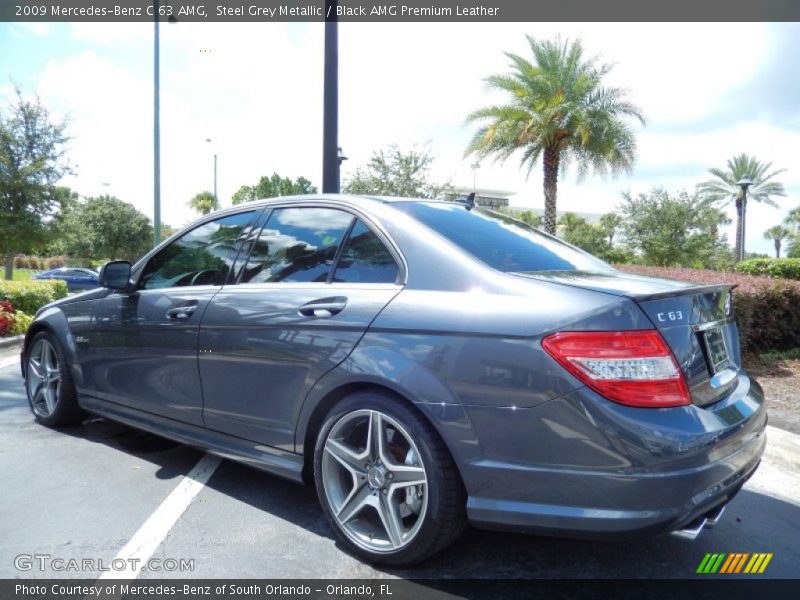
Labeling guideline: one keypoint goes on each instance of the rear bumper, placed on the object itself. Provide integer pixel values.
(603, 470)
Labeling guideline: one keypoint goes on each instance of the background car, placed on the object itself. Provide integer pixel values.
(78, 279)
(424, 364)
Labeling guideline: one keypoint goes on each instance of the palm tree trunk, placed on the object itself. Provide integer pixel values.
(777, 248)
(738, 225)
(551, 158)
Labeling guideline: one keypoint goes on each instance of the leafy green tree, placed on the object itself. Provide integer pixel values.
(590, 237)
(725, 188)
(106, 227)
(558, 111)
(530, 217)
(778, 234)
(610, 223)
(395, 172)
(273, 187)
(792, 221)
(32, 148)
(204, 203)
(569, 223)
(669, 230)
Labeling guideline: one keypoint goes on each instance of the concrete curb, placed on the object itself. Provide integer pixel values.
(11, 342)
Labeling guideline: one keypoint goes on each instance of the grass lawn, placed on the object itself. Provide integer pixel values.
(22, 274)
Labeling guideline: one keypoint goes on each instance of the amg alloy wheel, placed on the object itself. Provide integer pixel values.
(48, 382)
(387, 482)
(374, 480)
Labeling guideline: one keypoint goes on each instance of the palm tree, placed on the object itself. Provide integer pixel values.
(610, 223)
(793, 219)
(558, 110)
(725, 186)
(777, 234)
(569, 223)
(204, 203)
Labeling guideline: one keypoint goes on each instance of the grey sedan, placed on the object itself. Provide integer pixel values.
(426, 365)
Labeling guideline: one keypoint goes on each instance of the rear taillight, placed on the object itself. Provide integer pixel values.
(635, 368)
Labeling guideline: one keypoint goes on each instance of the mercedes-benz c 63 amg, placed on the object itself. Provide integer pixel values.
(425, 365)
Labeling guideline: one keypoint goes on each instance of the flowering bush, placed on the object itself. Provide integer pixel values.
(7, 318)
(767, 310)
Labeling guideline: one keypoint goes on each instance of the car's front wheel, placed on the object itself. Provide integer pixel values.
(48, 382)
(386, 481)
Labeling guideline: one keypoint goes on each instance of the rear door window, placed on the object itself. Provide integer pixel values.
(297, 245)
(365, 259)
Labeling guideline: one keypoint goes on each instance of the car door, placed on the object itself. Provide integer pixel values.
(292, 317)
(143, 345)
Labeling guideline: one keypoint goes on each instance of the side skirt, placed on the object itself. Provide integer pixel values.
(259, 456)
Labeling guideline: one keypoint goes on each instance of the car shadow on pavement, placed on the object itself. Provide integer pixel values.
(753, 522)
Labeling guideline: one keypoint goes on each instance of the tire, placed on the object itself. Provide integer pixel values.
(397, 507)
(48, 383)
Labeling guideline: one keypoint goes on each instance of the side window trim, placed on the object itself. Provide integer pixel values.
(342, 246)
(243, 254)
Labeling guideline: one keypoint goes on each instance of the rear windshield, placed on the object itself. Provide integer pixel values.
(501, 242)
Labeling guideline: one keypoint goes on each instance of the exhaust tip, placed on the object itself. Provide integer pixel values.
(713, 516)
(692, 530)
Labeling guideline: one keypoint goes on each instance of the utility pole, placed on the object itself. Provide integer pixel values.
(156, 131)
(330, 127)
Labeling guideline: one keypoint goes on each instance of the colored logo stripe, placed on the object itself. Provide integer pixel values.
(758, 563)
(711, 563)
(721, 562)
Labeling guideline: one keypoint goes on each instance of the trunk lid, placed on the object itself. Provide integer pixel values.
(694, 319)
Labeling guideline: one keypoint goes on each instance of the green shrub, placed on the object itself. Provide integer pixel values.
(30, 296)
(780, 268)
(21, 323)
(766, 309)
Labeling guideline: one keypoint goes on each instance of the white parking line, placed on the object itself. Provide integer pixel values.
(145, 541)
(7, 362)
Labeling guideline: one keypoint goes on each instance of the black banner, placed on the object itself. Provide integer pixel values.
(393, 589)
(407, 11)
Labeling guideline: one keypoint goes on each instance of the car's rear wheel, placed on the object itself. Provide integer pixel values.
(386, 481)
(48, 382)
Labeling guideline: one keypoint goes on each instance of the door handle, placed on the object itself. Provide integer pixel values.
(181, 312)
(324, 307)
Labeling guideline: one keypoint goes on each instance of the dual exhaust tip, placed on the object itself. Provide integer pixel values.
(693, 529)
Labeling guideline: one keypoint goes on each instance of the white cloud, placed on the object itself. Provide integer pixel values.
(256, 90)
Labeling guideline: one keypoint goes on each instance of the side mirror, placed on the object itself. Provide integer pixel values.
(116, 275)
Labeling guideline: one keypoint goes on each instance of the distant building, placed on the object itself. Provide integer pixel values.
(489, 198)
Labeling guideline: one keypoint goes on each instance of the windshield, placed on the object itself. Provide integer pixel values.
(501, 242)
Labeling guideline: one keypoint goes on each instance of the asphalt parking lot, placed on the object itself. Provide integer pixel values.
(85, 492)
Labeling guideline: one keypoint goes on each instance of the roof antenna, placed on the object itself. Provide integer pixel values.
(470, 201)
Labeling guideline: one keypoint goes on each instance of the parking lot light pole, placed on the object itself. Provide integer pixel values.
(330, 109)
(743, 183)
(216, 198)
(157, 124)
(156, 131)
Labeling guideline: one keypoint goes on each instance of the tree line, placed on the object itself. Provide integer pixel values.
(558, 113)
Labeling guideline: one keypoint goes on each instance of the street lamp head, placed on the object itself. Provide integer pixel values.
(476, 165)
(745, 182)
(340, 155)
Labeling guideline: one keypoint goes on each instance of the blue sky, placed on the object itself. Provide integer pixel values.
(709, 91)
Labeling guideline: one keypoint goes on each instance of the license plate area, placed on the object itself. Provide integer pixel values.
(716, 350)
